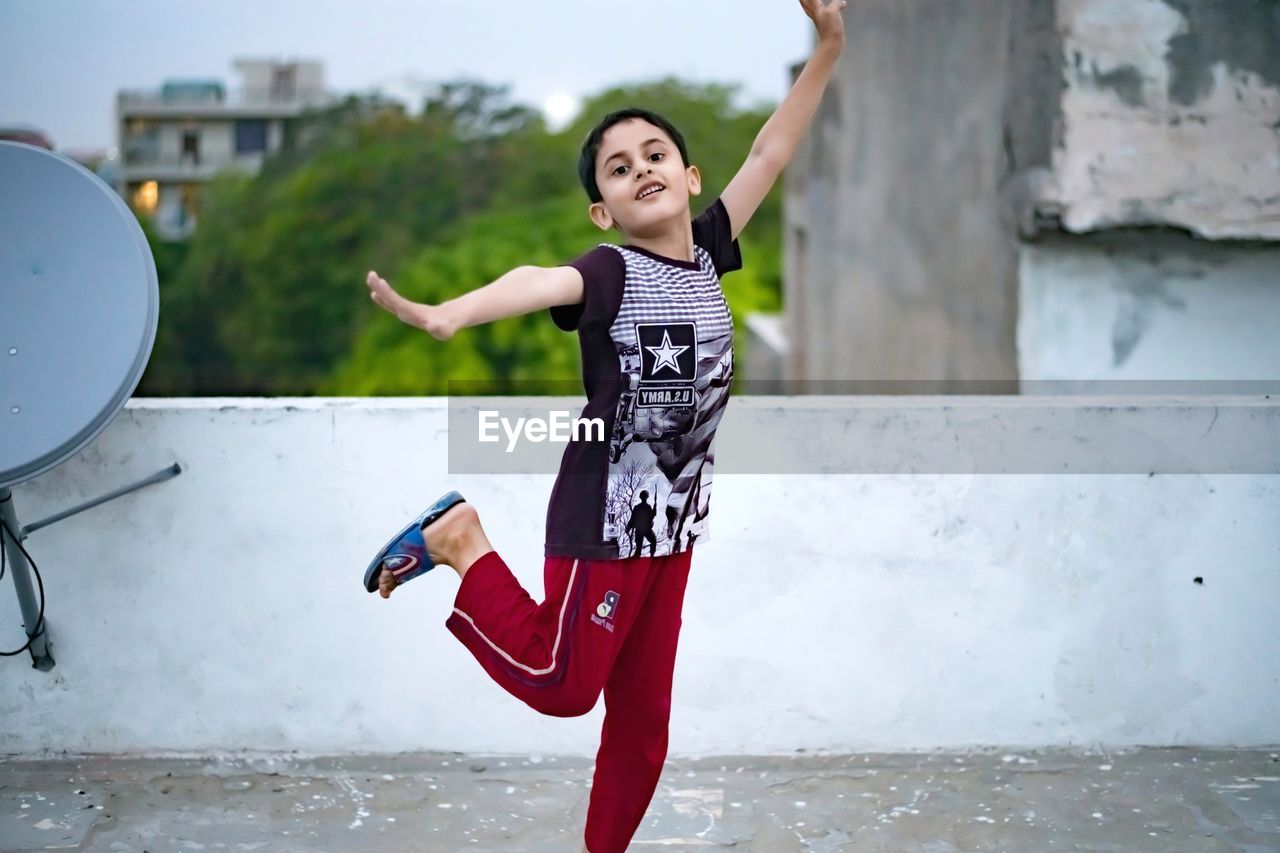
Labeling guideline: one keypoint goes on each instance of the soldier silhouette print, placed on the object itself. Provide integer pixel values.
(640, 524)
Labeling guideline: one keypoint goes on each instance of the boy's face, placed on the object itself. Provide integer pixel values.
(634, 156)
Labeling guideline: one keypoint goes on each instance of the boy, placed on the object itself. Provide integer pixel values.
(657, 360)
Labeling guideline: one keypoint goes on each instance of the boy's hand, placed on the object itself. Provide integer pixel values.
(429, 318)
(827, 18)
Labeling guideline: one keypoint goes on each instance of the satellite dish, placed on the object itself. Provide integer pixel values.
(79, 305)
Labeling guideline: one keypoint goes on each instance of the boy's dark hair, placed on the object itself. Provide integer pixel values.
(591, 147)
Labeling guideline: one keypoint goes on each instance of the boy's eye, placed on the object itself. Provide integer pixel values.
(657, 154)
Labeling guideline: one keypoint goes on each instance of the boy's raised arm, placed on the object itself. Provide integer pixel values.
(777, 140)
(520, 291)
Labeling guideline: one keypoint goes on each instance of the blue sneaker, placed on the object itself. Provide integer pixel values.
(405, 556)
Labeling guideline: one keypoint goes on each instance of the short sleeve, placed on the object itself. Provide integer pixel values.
(711, 231)
(604, 275)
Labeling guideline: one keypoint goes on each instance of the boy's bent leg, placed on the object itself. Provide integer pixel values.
(552, 656)
(637, 696)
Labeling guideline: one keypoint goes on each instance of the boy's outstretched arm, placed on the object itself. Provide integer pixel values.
(777, 140)
(520, 291)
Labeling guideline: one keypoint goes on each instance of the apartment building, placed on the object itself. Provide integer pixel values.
(172, 141)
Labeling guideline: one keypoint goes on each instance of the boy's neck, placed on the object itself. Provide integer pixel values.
(677, 244)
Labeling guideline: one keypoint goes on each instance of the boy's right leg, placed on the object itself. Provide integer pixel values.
(554, 656)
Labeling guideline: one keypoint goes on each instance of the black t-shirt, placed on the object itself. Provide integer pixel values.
(656, 337)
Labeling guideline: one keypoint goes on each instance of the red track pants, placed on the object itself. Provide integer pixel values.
(604, 624)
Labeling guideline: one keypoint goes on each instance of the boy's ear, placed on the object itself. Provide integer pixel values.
(695, 180)
(600, 216)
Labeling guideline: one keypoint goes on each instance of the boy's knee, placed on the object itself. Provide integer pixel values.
(645, 720)
(571, 703)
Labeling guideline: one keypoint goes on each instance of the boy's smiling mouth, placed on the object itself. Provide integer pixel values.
(648, 190)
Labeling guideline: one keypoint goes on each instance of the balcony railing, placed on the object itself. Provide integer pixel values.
(238, 98)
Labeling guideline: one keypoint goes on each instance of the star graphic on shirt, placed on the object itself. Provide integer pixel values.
(666, 353)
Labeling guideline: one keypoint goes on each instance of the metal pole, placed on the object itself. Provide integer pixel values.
(40, 656)
(172, 471)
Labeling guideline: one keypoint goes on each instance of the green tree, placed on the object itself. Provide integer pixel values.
(518, 353)
(268, 297)
(391, 358)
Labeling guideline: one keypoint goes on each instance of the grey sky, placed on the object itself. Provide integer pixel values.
(65, 59)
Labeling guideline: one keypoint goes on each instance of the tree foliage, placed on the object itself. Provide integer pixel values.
(268, 297)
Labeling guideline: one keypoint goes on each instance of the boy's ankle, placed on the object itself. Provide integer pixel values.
(457, 538)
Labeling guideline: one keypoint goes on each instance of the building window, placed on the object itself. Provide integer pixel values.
(141, 142)
(284, 86)
(251, 136)
(191, 147)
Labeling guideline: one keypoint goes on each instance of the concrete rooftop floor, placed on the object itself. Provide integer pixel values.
(1132, 800)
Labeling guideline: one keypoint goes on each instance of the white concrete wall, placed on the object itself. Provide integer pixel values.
(1187, 311)
(223, 609)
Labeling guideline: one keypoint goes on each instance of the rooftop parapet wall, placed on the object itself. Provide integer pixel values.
(223, 609)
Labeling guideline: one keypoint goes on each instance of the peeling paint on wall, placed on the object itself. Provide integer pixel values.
(1170, 115)
(1244, 34)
